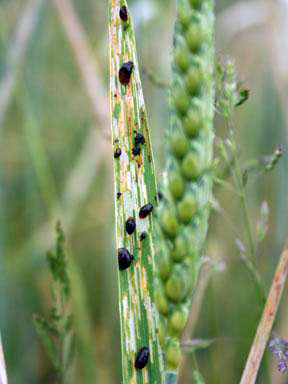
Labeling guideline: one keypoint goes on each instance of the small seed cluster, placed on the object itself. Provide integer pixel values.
(184, 208)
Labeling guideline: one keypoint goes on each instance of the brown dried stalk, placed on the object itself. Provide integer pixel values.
(264, 328)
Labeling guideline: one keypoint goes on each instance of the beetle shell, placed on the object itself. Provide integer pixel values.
(130, 225)
(139, 139)
(117, 153)
(136, 150)
(145, 210)
(123, 13)
(125, 72)
(143, 236)
(124, 258)
(142, 358)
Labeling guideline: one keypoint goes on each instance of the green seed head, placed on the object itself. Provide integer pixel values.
(180, 251)
(176, 185)
(190, 166)
(173, 354)
(178, 319)
(193, 122)
(188, 186)
(177, 287)
(179, 144)
(181, 101)
(187, 209)
(169, 223)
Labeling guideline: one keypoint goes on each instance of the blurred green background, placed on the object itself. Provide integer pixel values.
(55, 163)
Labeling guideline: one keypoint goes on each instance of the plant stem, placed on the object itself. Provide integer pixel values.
(238, 177)
(135, 186)
(242, 196)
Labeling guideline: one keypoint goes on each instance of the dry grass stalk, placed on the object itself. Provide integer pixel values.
(264, 328)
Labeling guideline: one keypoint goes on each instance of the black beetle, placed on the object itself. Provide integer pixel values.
(139, 139)
(143, 236)
(136, 150)
(117, 153)
(145, 210)
(123, 13)
(130, 225)
(142, 358)
(125, 72)
(124, 258)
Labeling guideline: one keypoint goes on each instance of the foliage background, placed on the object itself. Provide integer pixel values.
(44, 133)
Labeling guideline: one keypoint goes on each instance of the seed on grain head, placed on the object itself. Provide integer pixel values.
(130, 225)
(143, 236)
(123, 13)
(181, 101)
(173, 354)
(193, 123)
(190, 166)
(125, 72)
(117, 153)
(180, 249)
(169, 223)
(164, 265)
(145, 210)
(179, 144)
(136, 150)
(124, 258)
(139, 139)
(177, 287)
(184, 16)
(142, 358)
(161, 301)
(196, 3)
(176, 185)
(178, 319)
(195, 36)
(187, 209)
(182, 59)
(194, 80)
